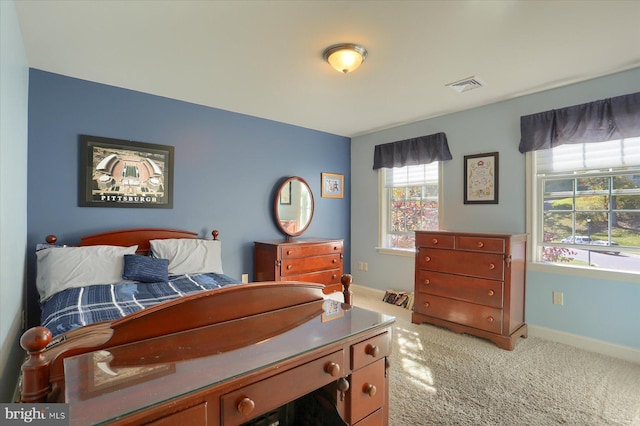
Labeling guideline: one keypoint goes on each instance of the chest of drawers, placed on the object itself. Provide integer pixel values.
(308, 260)
(472, 283)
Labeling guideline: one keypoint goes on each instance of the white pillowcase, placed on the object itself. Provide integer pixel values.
(60, 268)
(189, 255)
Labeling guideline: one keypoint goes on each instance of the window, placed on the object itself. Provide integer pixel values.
(586, 205)
(409, 201)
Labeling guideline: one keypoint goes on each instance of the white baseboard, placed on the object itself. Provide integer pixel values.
(625, 353)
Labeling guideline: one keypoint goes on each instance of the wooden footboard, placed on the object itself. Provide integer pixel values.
(43, 371)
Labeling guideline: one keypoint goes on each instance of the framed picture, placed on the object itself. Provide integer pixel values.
(119, 173)
(481, 178)
(285, 195)
(102, 378)
(332, 185)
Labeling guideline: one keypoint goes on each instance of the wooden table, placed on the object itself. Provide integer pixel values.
(331, 360)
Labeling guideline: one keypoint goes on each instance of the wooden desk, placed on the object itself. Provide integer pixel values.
(333, 353)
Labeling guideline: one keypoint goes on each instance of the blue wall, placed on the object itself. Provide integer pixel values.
(226, 168)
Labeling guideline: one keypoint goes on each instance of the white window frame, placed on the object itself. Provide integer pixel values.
(534, 199)
(383, 214)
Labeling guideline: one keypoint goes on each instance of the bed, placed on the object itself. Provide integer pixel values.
(201, 296)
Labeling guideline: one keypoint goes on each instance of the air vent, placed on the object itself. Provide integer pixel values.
(466, 84)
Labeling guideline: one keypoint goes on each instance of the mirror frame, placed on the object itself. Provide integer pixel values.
(276, 203)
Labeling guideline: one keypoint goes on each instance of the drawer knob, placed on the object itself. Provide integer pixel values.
(434, 241)
(372, 350)
(336, 248)
(370, 389)
(246, 406)
(333, 369)
(490, 319)
(288, 252)
(427, 259)
(426, 304)
(491, 292)
(335, 261)
(427, 281)
(492, 266)
(289, 266)
(480, 244)
(334, 276)
(343, 384)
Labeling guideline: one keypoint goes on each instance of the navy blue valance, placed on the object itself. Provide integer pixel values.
(599, 121)
(410, 152)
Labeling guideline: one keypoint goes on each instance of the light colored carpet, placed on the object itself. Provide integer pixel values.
(442, 378)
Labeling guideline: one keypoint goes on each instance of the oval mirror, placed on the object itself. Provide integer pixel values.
(293, 206)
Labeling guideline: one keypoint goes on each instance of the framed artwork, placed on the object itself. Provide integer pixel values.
(481, 178)
(120, 173)
(332, 185)
(285, 195)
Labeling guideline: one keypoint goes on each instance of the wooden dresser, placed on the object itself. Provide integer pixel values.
(308, 260)
(330, 369)
(472, 283)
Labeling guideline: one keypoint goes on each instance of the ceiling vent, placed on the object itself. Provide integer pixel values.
(466, 84)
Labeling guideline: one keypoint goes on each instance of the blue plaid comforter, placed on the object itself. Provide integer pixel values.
(76, 307)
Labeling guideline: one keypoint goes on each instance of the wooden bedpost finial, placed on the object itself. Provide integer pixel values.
(51, 239)
(35, 370)
(346, 283)
(215, 234)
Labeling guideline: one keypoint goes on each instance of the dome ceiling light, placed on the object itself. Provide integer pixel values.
(345, 57)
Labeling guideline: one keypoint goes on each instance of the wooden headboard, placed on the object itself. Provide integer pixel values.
(132, 237)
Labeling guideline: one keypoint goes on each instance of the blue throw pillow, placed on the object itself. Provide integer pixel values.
(145, 269)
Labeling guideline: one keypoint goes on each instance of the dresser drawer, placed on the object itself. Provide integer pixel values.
(469, 289)
(367, 390)
(476, 316)
(297, 251)
(370, 350)
(485, 244)
(258, 398)
(434, 240)
(196, 415)
(331, 276)
(374, 419)
(462, 262)
(310, 264)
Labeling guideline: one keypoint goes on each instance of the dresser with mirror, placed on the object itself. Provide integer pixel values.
(294, 258)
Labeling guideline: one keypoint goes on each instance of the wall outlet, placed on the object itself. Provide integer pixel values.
(558, 298)
(363, 266)
(245, 278)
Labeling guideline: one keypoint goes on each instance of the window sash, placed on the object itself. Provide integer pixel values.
(580, 167)
(426, 176)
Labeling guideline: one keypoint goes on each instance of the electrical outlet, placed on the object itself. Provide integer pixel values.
(558, 298)
(245, 278)
(365, 266)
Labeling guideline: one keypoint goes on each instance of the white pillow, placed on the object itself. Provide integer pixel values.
(189, 255)
(60, 268)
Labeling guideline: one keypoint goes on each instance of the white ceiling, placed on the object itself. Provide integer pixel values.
(264, 58)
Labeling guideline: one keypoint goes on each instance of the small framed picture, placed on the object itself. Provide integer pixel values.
(481, 178)
(332, 185)
(285, 194)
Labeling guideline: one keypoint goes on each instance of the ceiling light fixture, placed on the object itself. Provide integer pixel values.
(345, 57)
